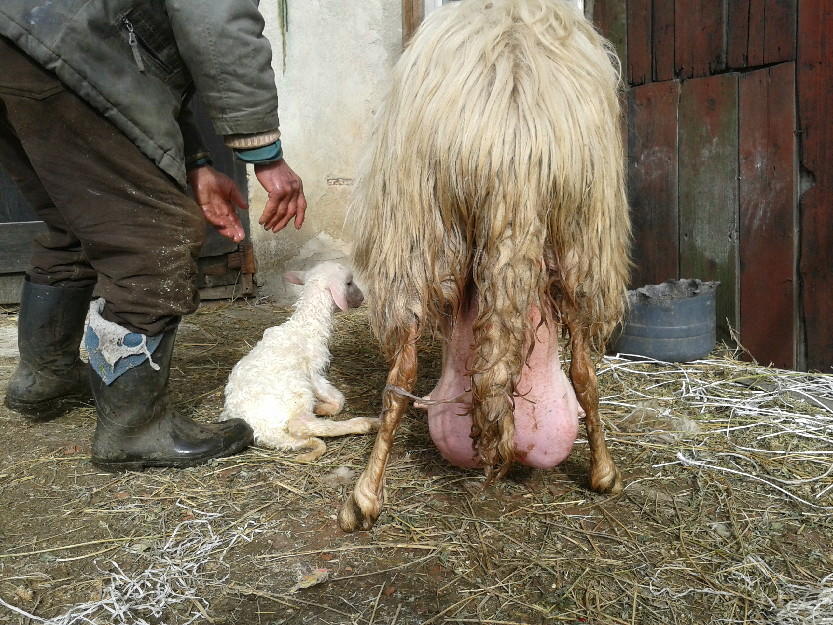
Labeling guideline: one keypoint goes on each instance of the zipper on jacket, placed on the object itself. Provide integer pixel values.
(134, 44)
(137, 42)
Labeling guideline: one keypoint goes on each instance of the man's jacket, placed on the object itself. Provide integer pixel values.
(138, 62)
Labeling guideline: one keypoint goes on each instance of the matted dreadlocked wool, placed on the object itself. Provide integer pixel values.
(496, 167)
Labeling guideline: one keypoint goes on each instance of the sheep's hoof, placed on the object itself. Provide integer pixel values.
(606, 479)
(351, 517)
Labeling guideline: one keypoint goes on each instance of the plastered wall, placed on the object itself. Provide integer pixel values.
(338, 57)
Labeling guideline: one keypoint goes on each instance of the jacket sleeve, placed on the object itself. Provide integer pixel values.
(222, 43)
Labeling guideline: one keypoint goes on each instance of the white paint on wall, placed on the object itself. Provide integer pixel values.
(430, 5)
(339, 54)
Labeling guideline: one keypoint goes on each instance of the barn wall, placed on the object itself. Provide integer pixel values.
(338, 57)
(730, 161)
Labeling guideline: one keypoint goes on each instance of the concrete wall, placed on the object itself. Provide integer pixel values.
(338, 57)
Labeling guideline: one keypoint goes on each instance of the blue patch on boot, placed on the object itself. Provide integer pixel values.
(130, 344)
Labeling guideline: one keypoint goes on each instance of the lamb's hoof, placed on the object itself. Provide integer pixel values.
(351, 517)
(311, 456)
(606, 480)
(317, 448)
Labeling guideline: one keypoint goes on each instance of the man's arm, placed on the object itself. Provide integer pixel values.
(230, 61)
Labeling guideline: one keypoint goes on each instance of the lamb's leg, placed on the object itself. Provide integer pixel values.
(330, 400)
(317, 448)
(307, 428)
(604, 476)
(307, 425)
(364, 505)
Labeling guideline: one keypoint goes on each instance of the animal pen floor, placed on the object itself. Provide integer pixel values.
(725, 517)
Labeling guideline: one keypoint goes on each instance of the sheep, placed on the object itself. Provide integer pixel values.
(490, 210)
(279, 387)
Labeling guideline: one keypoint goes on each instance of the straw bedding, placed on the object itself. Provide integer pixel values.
(725, 516)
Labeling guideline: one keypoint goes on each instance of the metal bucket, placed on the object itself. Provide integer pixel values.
(673, 321)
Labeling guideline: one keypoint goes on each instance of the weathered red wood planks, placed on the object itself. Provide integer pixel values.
(761, 32)
(815, 94)
(738, 180)
(737, 23)
(699, 32)
(652, 181)
(639, 41)
(611, 18)
(662, 40)
(708, 169)
(767, 198)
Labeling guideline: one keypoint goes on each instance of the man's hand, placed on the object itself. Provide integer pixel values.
(286, 196)
(217, 195)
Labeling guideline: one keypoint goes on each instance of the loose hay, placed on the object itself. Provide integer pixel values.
(744, 412)
(726, 522)
(177, 571)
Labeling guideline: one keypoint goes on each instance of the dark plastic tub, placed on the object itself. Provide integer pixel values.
(673, 321)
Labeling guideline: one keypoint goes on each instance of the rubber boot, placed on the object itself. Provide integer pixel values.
(137, 427)
(51, 379)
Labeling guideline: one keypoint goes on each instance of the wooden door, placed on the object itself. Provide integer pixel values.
(226, 268)
(18, 225)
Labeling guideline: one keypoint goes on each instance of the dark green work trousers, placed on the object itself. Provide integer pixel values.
(113, 216)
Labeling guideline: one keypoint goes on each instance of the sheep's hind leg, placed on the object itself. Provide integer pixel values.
(604, 476)
(364, 505)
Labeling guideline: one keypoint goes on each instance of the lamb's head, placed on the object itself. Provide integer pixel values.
(335, 278)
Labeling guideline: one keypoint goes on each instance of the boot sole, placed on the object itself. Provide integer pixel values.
(140, 464)
(48, 409)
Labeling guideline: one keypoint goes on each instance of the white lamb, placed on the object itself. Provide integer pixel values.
(279, 387)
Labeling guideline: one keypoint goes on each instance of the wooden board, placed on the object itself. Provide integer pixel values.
(610, 16)
(652, 181)
(760, 32)
(16, 243)
(662, 40)
(737, 24)
(699, 34)
(708, 169)
(18, 224)
(13, 207)
(223, 161)
(639, 42)
(11, 286)
(815, 94)
(412, 14)
(767, 199)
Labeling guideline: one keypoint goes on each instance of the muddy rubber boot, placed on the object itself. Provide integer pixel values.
(137, 427)
(51, 379)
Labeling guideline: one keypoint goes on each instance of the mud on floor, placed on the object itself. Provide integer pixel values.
(725, 517)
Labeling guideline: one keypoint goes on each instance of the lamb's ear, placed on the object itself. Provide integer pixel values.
(295, 277)
(339, 292)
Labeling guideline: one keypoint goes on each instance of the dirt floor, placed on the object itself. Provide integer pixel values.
(725, 518)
